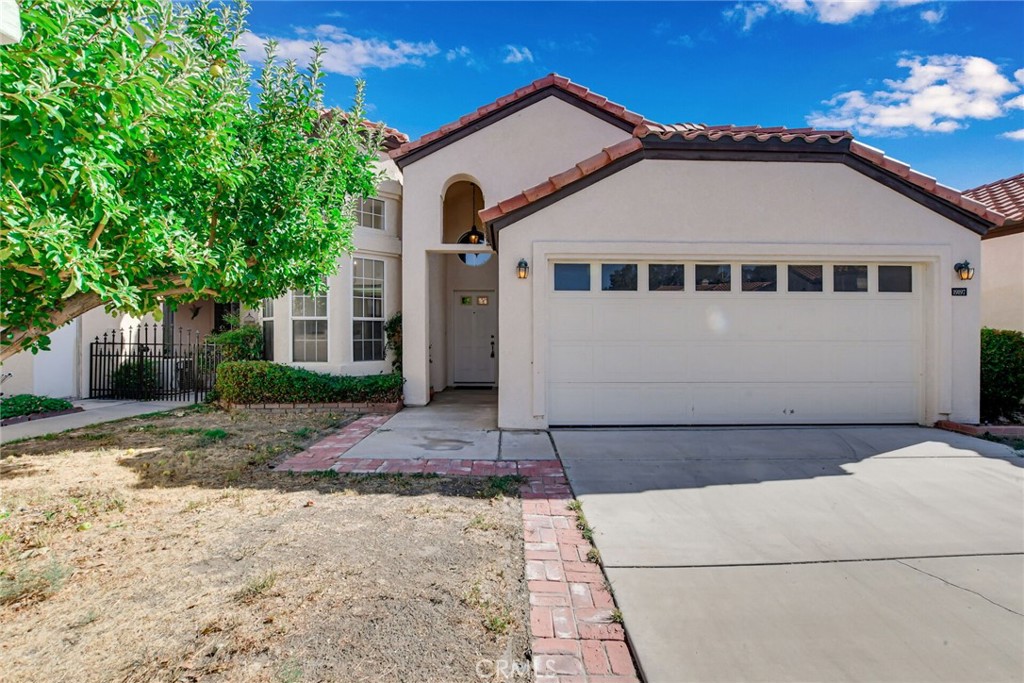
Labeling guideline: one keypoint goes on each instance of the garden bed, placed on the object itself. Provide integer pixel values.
(163, 548)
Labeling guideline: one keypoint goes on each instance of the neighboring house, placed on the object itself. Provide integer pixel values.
(653, 274)
(1002, 255)
(64, 370)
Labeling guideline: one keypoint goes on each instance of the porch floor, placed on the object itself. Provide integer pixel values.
(458, 423)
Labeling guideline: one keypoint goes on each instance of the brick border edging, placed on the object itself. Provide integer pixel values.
(981, 430)
(361, 408)
(32, 417)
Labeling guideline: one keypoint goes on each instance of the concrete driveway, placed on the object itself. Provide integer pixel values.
(839, 554)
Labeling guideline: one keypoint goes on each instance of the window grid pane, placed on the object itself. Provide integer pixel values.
(713, 278)
(757, 278)
(895, 279)
(805, 278)
(850, 278)
(572, 277)
(309, 341)
(370, 213)
(618, 277)
(665, 277)
(367, 309)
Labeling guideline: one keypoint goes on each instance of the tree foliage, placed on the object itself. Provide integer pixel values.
(136, 167)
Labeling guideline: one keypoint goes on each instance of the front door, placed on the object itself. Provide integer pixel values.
(475, 343)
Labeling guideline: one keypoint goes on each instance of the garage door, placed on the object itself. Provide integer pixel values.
(747, 342)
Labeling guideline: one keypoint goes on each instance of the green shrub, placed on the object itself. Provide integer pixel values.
(240, 343)
(29, 404)
(1002, 373)
(243, 382)
(136, 379)
(393, 334)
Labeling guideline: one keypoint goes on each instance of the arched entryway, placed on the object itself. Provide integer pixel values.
(470, 285)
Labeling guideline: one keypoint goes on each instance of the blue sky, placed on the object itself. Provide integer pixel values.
(939, 85)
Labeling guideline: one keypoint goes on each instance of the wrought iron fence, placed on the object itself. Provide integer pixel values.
(152, 362)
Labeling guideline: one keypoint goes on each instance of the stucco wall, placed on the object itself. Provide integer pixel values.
(705, 209)
(516, 152)
(1001, 275)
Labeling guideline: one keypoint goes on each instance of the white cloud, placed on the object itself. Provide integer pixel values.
(1016, 103)
(1018, 75)
(941, 94)
(458, 52)
(517, 55)
(1014, 134)
(933, 16)
(822, 11)
(346, 54)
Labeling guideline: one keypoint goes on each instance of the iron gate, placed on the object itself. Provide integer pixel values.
(150, 363)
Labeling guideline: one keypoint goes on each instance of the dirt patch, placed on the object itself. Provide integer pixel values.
(163, 548)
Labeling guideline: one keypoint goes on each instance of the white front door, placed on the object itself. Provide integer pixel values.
(475, 344)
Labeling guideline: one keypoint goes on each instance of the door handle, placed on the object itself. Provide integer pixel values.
(492, 348)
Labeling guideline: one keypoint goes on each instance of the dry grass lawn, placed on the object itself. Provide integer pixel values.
(163, 548)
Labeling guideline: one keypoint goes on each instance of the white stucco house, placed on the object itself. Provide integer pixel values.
(601, 269)
(1002, 255)
(598, 268)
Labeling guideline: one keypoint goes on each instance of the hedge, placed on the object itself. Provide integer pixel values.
(241, 343)
(29, 404)
(1002, 373)
(247, 382)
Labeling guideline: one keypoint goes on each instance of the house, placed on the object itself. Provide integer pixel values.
(1002, 255)
(601, 269)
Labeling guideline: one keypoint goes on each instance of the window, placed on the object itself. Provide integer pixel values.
(759, 278)
(572, 277)
(370, 213)
(618, 277)
(168, 328)
(267, 314)
(713, 277)
(665, 277)
(805, 278)
(850, 278)
(367, 309)
(309, 327)
(894, 279)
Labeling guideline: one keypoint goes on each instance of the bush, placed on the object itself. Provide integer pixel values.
(29, 404)
(136, 379)
(241, 343)
(244, 382)
(393, 333)
(1002, 373)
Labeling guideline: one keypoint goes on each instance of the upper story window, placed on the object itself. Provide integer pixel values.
(370, 213)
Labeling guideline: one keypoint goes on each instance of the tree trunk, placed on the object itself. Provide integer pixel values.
(71, 308)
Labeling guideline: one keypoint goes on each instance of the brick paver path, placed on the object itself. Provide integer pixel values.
(574, 637)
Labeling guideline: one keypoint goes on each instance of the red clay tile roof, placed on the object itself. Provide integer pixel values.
(551, 80)
(392, 136)
(1005, 196)
(693, 131)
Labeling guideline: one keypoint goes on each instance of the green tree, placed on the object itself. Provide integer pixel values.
(136, 167)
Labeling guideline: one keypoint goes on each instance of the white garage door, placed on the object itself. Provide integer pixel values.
(642, 343)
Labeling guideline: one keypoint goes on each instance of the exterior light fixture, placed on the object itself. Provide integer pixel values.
(523, 269)
(250, 319)
(964, 270)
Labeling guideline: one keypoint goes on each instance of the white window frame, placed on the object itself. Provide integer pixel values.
(369, 319)
(362, 213)
(310, 318)
(267, 316)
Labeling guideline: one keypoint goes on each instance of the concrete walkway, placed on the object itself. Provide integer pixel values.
(458, 423)
(842, 554)
(95, 412)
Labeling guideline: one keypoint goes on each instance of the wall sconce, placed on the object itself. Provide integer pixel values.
(250, 319)
(964, 270)
(523, 269)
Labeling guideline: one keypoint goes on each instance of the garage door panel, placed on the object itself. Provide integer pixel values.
(734, 358)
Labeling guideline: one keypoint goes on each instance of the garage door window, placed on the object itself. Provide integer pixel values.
(713, 278)
(665, 277)
(805, 278)
(850, 278)
(760, 278)
(618, 277)
(894, 279)
(572, 277)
